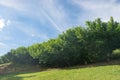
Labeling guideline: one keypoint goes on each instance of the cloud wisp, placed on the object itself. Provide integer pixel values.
(53, 12)
(2, 45)
(93, 9)
(52, 21)
(2, 24)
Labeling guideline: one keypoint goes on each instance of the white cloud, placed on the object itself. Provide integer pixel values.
(55, 14)
(41, 36)
(8, 22)
(98, 8)
(2, 24)
(33, 35)
(44, 10)
(15, 4)
(52, 21)
(2, 44)
(30, 31)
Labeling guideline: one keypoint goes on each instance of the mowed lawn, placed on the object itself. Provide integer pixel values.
(91, 73)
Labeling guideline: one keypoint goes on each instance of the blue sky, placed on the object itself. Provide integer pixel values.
(25, 22)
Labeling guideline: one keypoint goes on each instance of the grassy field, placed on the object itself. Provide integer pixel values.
(111, 72)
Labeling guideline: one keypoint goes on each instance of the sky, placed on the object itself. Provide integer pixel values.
(25, 22)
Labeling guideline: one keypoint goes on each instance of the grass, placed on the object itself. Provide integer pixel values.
(110, 72)
(16, 68)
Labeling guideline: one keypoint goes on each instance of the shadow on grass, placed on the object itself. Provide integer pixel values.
(10, 77)
(16, 76)
(15, 71)
(10, 68)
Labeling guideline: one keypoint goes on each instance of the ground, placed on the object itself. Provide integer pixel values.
(90, 72)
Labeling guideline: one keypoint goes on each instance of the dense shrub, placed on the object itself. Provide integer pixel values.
(116, 54)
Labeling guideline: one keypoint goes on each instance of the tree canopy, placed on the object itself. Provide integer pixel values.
(97, 41)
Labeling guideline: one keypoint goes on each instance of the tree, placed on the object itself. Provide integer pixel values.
(75, 46)
(21, 56)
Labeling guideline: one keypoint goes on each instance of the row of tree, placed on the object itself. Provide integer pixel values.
(98, 41)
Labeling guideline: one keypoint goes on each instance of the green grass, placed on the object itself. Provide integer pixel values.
(111, 72)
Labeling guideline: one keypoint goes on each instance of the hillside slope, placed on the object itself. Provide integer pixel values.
(89, 72)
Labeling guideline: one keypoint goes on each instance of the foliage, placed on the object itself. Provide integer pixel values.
(78, 45)
(20, 55)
